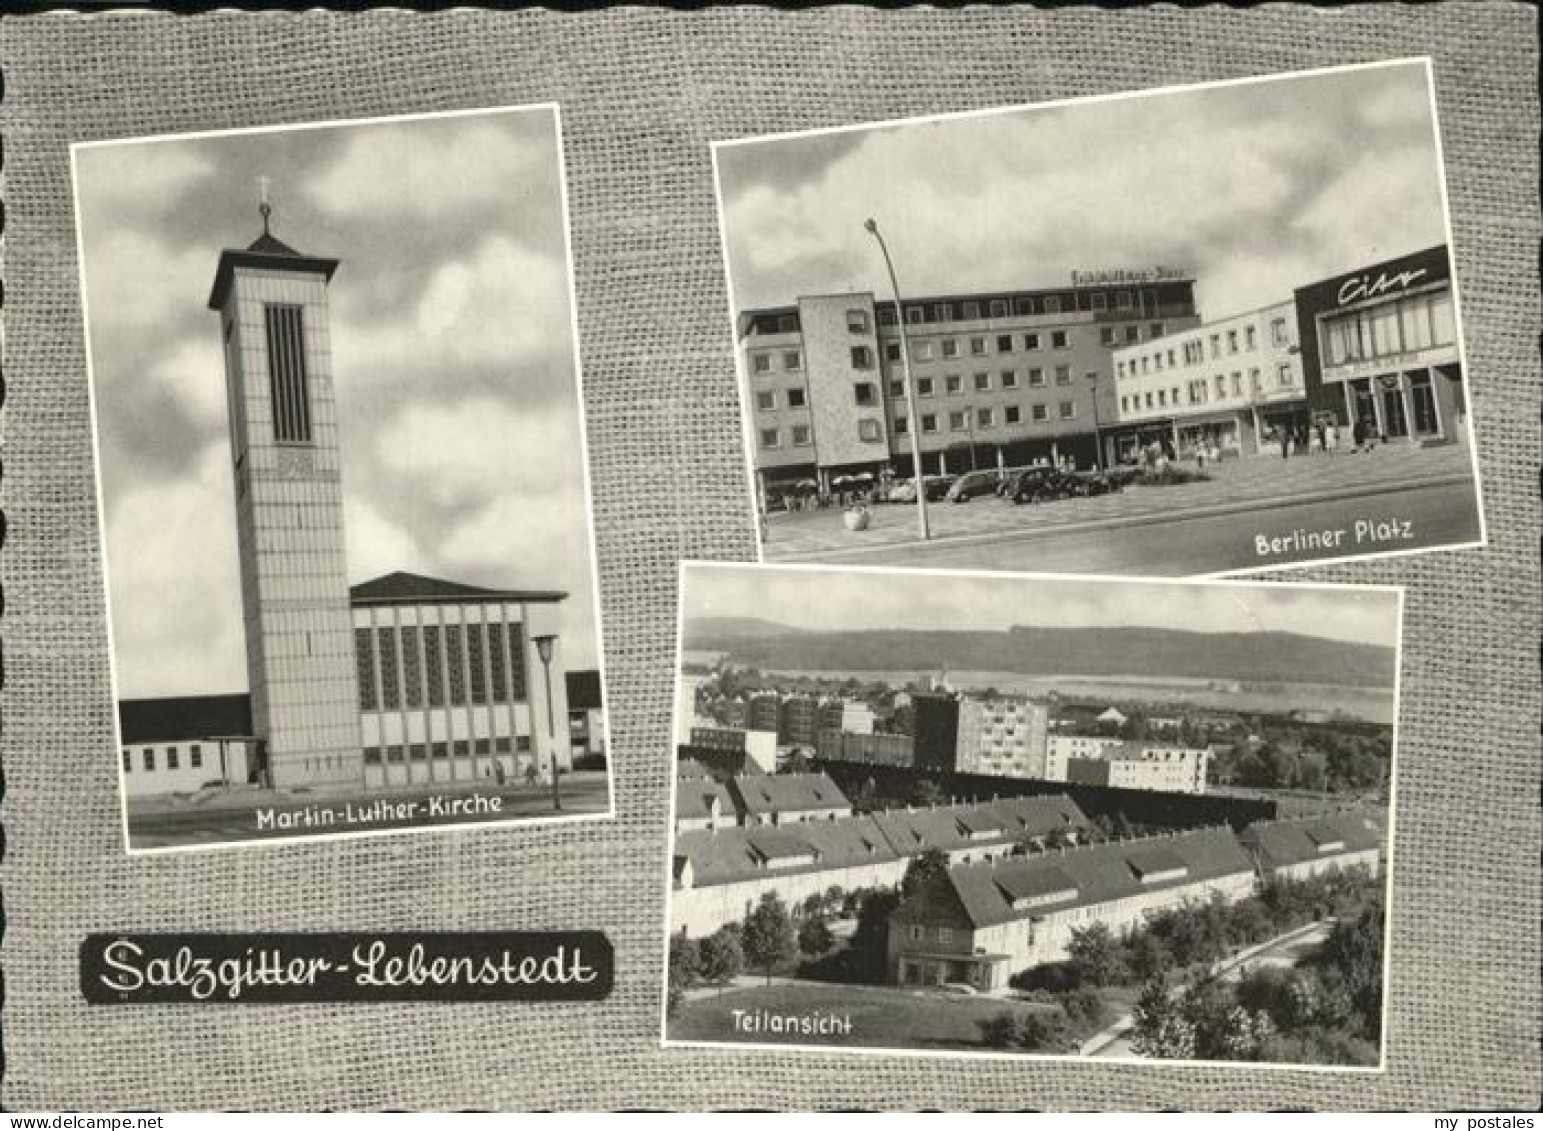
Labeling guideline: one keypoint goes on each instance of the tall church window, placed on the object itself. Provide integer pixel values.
(287, 378)
(516, 663)
(479, 673)
(364, 653)
(498, 663)
(412, 672)
(454, 646)
(434, 663)
(390, 687)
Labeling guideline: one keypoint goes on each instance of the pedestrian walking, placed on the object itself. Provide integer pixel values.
(1331, 438)
(1323, 436)
(1358, 433)
(1285, 442)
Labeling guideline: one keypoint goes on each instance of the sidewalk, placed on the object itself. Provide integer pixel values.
(1254, 483)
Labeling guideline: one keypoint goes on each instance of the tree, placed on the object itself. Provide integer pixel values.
(870, 939)
(814, 937)
(1095, 955)
(835, 900)
(720, 958)
(683, 970)
(1147, 957)
(928, 866)
(767, 938)
(813, 905)
(1161, 1029)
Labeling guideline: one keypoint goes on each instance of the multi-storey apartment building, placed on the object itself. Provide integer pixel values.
(1003, 378)
(1002, 735)
(1231, 385)
(1137, 765)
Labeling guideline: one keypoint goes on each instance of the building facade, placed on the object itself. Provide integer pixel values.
(1002, 379)
(181, 745)
(1230, 385)
(451, 684)
(1003, 735)
(879, 749)
(1380, 346)
(1060, 749)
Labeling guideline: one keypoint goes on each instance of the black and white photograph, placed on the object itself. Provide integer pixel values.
(342, 479)
(1195, 330)
(1002, 814)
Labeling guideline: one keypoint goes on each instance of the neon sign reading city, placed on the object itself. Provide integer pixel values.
(1364, 286)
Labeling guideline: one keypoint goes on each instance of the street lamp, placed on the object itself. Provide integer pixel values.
(544, 650)
(1098, 444)
(914, 422)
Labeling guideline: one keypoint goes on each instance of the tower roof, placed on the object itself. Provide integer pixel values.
(268, 252)
(401, 588)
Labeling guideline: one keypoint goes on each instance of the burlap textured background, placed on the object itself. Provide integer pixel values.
(642, 94)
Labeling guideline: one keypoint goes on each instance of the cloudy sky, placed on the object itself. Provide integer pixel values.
(452, 353)
(1255, 188)
(848, 599)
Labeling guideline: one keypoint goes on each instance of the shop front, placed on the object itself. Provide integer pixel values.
(1380, 350)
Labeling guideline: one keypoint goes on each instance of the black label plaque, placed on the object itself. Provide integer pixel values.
(361, 966)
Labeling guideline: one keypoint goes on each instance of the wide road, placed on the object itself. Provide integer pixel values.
(582, 792)
(1437, 515)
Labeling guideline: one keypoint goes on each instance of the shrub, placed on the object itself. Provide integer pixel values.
(1053, 976)
(1044, 1032)
(1085, 1008)
(1000, 1030)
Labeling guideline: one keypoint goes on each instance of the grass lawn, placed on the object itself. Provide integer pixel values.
(881, 1016)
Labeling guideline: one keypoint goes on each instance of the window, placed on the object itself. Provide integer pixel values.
(954, 383)
(862, 357)
(455, 652)
(792, 361)
(171, 758)
(945, 934)
(929, 422)
(769, 438)
(1106, 336)
(1068, 410)
(977, 347)
(913, 314)
(766, 402)
(1216, 346)
(1133, 333)
(1124, 403)
(1004, 343)
(390, 687)
(1063, 374)
(498, 663)
(924, 386)
(1221, 385)
(1031, 341)
(869, 432)
(1253, 380)
(412, 673)
(787, 323)
(902, 426)
(1038, 412)
(1058, 339)
(800, 435)
(999, 308)
(1157, 362)
(950, 347)
(857, 321)
(1119, 370)
(364, 658)
(1052, 304)
(1232, 341)
(1237, 384)
(1162, 398)
(1012, 414)
(797, 398)
(1175, 394)
(1148, 399)
(886, 316)
(891, 351)
(1024, 305)
(897, 388)
(924, 351)
(761, 362)
(983, 382)
(288, 382)
(433, 651)
(984, 418)
(1036, 378)
(1122, 300)
(1100, 300)
(1283, 377)
(1009, 379)
(1172, 359)
(516, 663)
(940, 312)
(1156, 329)
(918, 933)
(128, 762)
(1194, 351)
(957, 422)
(1278, 332)
(1250, 337)
(149, 758)
(971, 310)
(863, 393)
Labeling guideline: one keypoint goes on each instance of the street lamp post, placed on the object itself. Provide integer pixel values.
(914, 423)
(1098, 443)
(544, 650)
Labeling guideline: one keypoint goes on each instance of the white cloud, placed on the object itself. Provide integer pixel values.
(135, 283)
(193, 371)
(502, 305)
(1391, 202)
(174, 582)
(429, 170)
(114, 179)
(375, 545)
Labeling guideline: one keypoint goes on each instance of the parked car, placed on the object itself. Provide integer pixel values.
(905, 490)
(971, 485)
(1040, 484)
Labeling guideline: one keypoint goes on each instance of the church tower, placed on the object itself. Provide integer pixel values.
(272, 302)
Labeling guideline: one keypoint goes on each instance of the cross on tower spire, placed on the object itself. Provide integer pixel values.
(263, 206)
